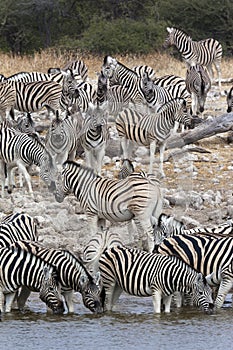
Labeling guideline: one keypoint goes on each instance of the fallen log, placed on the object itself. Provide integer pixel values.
(207, 128)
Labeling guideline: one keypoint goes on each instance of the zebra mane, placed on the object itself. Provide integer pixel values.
(184, 32)
(169, 104)
(78, 165)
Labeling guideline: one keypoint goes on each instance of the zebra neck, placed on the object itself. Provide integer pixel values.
(79, 181)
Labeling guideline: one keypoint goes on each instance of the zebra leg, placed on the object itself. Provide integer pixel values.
(68, 297)
(1, 301)
(27, 177)
(167, 302)
(23, 296)
(3, 177)
(152, 155)
(99, 158)
(157, 296)
(145, 229)
(161, 153)
(126, 148)
(9, 298)
(224, 288)
(194, 103)
(113, 293)
(218, 68)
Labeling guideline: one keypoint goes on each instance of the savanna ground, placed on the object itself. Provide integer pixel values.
(198, 186)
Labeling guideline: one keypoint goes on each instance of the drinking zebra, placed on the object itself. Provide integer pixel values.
(198, 85)
(145, 274)
(210, 256)
(22, 268)
(16, 227)
(72, 274)
(17, 149)
(168, 226)
(30, 97)
(149, 129)
(205, 52)
(62, 138)
(94, 135)
(137, 197)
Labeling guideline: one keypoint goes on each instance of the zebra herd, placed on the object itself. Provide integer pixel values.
(143, 109)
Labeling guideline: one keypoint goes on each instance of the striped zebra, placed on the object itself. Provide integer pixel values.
(62, 138)
(230, 100)
(168, 226)
(137, 197)
(17, 149)
(30, 97)
(210, 256)
(17, 227)
(113, 98)
(78, 68)
(76, 94)
(198, 84)
(21, 268)
(93, 136)
(72, 274)
(145, 274)
(206, 52)
(149, 129)
(119, 74)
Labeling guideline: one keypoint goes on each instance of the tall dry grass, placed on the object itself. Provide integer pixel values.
(41, 61)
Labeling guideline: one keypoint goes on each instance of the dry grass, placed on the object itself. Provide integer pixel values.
(40, 62)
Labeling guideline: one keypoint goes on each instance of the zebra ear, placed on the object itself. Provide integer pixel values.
(169, 29)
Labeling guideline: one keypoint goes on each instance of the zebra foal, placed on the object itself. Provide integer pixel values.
(137, 197)
(198, 84)
(145, 274)
(205, 52)
(19, 268)
(150, 129)
(209, 255)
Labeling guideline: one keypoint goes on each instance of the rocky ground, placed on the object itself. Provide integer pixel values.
(197, 189)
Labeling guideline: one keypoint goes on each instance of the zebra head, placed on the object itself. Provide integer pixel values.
(147, 86)
(92, 292)
(230, 100)
(109, 67)
(175, 37)
(25, 124)
(202, 293)
(49, 291)
(48, 169)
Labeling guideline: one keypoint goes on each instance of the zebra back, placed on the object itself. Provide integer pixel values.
(140, 70)
(30, 77)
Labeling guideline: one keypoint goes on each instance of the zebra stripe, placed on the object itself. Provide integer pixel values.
(17, 149)
(21, 268)
(30, 77)
(198, 85)
(210, 256)
(205, 52)
(72, 273)
(16, 227)
(137, 197)
(93, 137)
(141, 70)
(127, 168)
(78, 68)
(62, 138)
(147, 129)
(230, 100)
(144, 274)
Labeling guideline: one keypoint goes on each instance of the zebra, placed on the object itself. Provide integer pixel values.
(93, 136)
(168, 226)
(127, 168)
(62, 138)
(209, 255)
(16, 227)
(21, 268)
(17, 149)
(230, 100)
(114, 98)
(137, 197)
(145, 274)
(205, 52)
(147, 129)
(198, 84)
(29, 97)
(78, 68)
(119, 74)
(72, 274)
(93, 250)
(76, 93)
